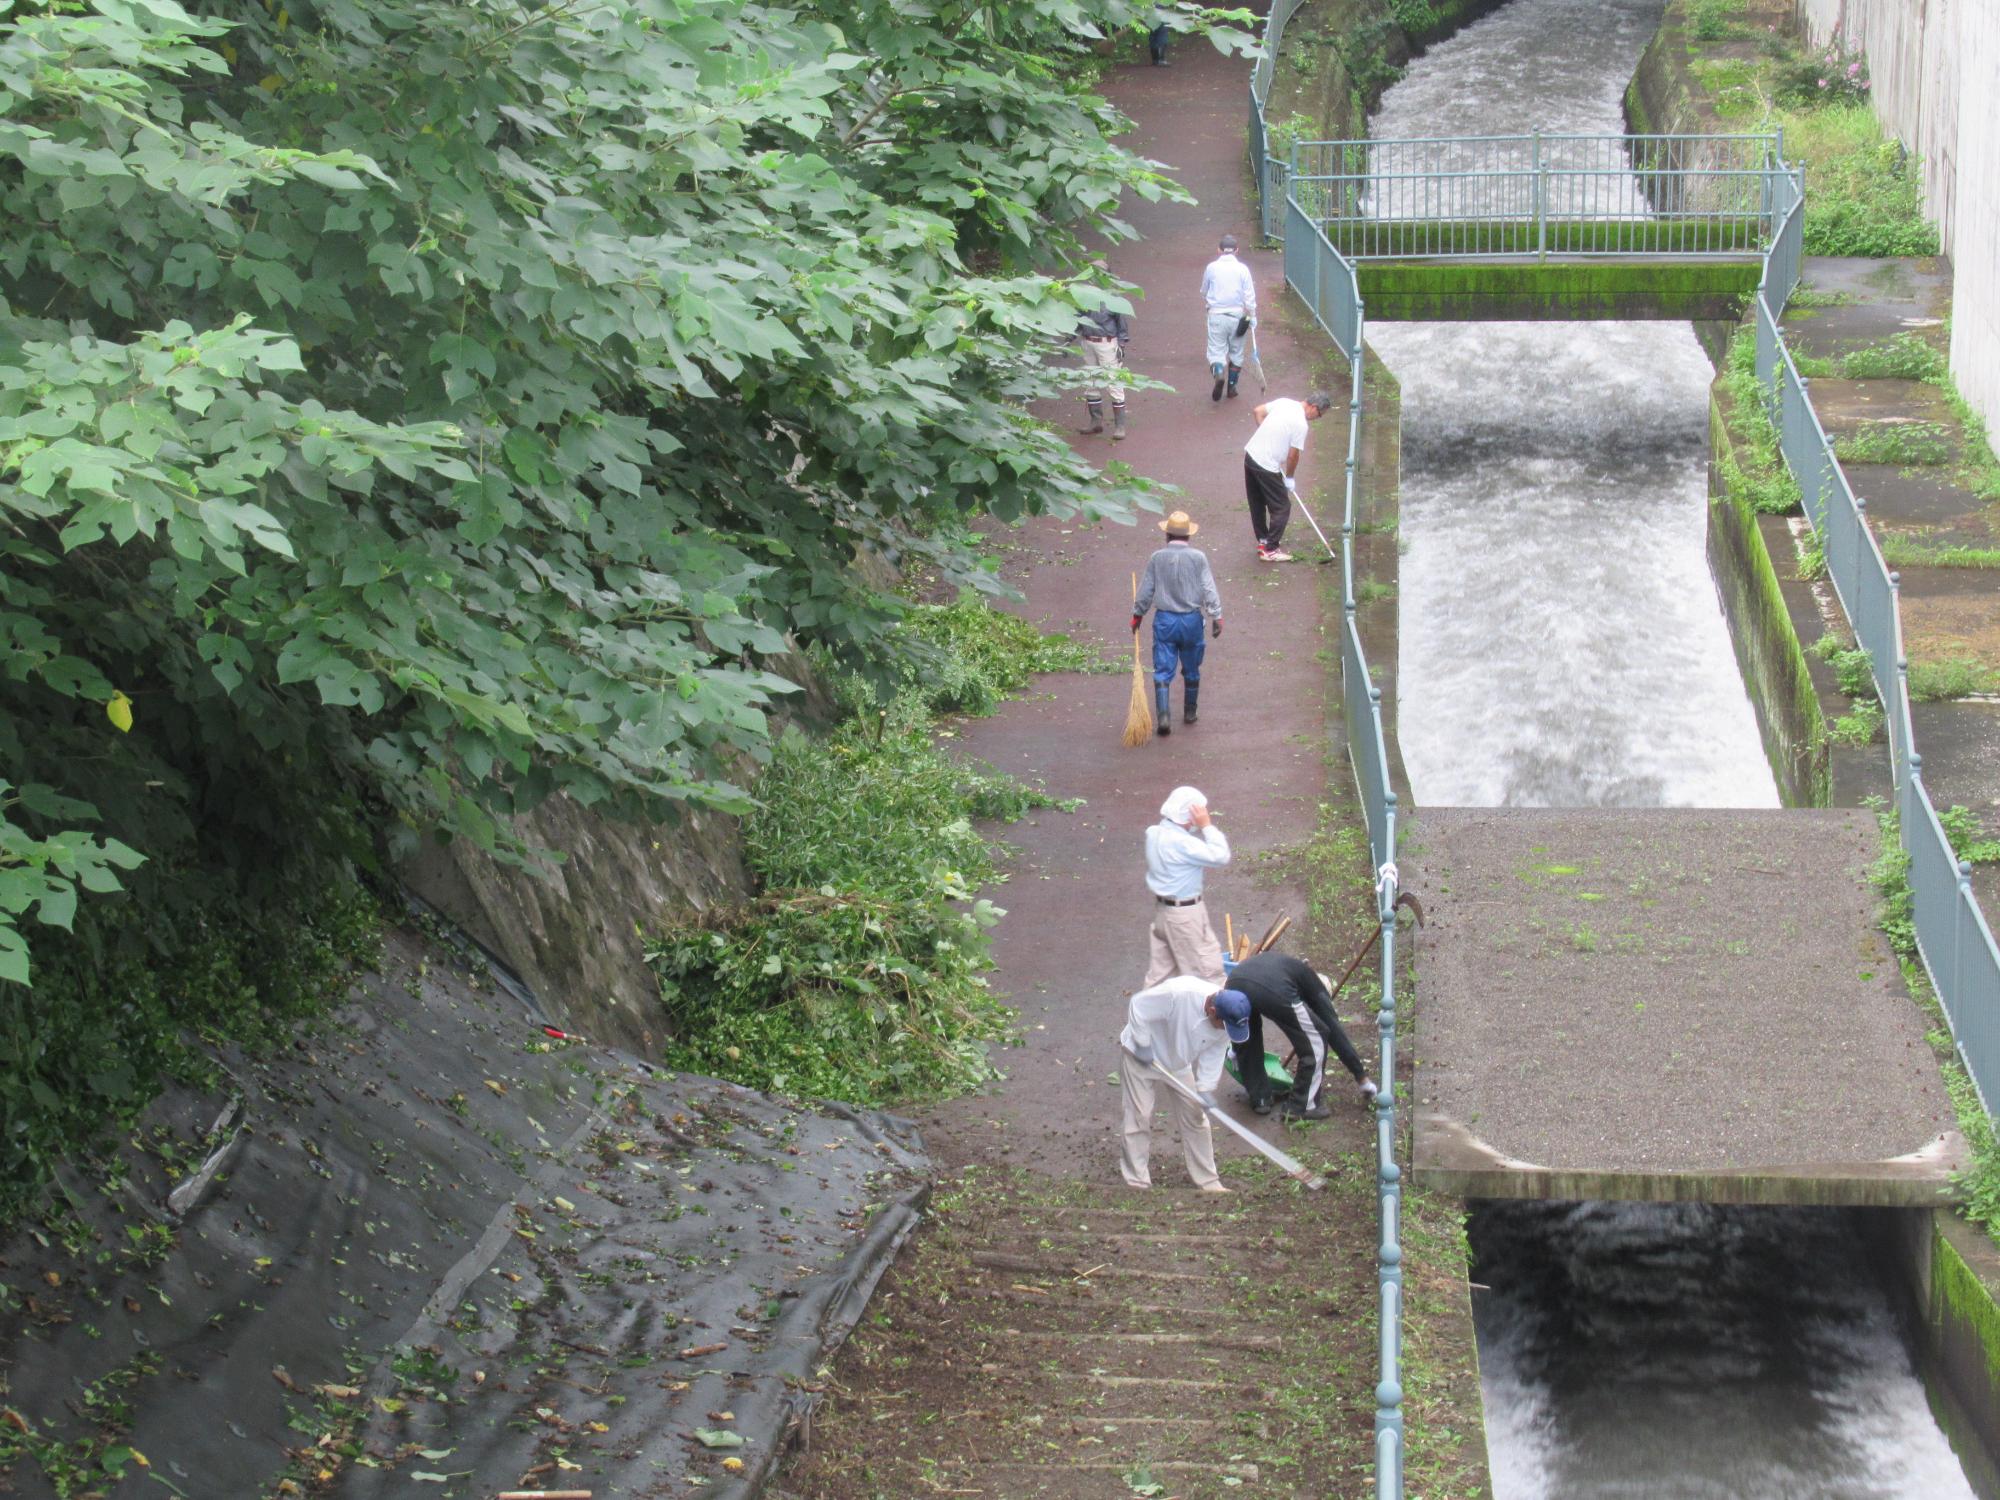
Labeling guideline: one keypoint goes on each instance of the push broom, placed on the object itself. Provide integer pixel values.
(1139, 716)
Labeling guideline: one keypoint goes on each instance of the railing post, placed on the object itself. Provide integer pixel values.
(1540, 184)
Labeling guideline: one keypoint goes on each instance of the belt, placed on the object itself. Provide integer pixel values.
(1171, 901)
(1235, 311)
(1100, 338)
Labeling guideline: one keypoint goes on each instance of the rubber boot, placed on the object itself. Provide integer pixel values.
(1117, 424)
(1162, 715)
(1215, 392)
(1234, 371)
(1190, 702)
(1096, 410)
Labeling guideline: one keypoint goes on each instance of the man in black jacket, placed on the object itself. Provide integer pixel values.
(1286, 991)
(1104, 335)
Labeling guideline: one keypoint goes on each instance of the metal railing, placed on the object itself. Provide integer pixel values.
(1537, 195)
(1953, 935)
(1326, 280)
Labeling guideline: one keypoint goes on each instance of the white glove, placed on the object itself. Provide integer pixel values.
(1291, 484)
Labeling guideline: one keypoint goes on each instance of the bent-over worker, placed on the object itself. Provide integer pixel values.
(1286, 991)
(1183, 1027)
(1180, 849)
(1271, 465)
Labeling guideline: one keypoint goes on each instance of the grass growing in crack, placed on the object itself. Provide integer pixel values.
(1954, 677)
(1752, 468)
(1906, 444)
(1907, 356)
(1890, 875)
(1904, 549)
(1862, 723)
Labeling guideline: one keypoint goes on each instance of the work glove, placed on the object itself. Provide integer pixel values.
(1291, 485)
(1215, 628)
(1242, 326)
(1143, 1053)
(1207, 1100)
(1135, 623)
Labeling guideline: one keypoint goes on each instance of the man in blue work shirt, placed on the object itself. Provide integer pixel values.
(1180, 849)
(1179, 587)
(1231, 296)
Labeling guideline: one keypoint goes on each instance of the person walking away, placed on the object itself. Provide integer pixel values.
(1156, 41)
(1180, 849)
(1285, 991)
(1231, 295)
(1179, 587)
(1182, 1026)
(1104, 335)
(1270, 464)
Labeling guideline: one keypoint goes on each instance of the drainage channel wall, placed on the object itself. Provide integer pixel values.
(1946, 1271)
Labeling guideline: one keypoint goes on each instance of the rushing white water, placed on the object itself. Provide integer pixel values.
(1562, 645)
(1696, 1352)
(1561, 640)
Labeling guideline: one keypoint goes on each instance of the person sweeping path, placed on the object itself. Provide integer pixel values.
(1271, 463)
(1180, 849)
(1230, 294)
(1285, 991)
(1179, 587)
(1182, 1027)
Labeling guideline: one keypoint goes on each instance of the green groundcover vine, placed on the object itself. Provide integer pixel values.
(858, 971)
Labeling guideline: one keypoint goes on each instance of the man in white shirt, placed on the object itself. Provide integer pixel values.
(1182, 1026)
(1270, 462)
(1183, 845)
(1231, 296)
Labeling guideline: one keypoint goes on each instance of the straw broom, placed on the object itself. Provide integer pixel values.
(1139, 716)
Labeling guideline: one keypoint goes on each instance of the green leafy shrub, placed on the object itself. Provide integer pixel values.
(1864, 195)
(1851, 669)
(857, 974)
(1713, 20)
(1754, 470)
(1967, 834)
(1954, 677)
(966, 657)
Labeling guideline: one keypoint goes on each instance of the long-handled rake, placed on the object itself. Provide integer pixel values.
(1262, 1147)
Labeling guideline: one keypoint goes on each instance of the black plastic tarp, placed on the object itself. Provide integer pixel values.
(432, 1252)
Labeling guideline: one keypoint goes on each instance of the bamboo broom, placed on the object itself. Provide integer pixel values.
(1139, 716)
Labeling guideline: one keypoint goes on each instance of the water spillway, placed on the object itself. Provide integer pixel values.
(1561, 645)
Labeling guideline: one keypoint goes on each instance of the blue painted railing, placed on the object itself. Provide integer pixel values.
(1326, 280)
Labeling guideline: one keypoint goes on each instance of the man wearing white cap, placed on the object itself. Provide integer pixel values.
(1182, 1027)
(1180, 849)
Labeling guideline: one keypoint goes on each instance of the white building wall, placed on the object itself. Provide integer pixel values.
(1934, 66)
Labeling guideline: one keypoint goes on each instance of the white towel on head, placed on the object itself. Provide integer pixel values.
(1179, 807)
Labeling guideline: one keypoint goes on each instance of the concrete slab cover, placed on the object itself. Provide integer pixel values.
(1666, 1004)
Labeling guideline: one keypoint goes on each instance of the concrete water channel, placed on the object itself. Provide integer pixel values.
(1562, 647)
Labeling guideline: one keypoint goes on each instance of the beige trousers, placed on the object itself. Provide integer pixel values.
(1103, 354)
(1183, 942)
(1197, 1145)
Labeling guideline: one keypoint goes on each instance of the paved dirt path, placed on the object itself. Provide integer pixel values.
(1050, 1332)
(1073, 946)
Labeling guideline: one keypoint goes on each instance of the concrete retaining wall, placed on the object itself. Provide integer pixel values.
(1934, 65)
(1947, 1274)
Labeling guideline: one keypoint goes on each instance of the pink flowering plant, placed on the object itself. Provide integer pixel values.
(1837, 75)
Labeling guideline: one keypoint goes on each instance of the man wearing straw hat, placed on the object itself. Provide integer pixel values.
(1180, 849)
(1179, 587)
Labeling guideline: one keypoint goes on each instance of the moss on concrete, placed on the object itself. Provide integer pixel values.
(1563, 290)
(1768, 650)
(1959, 1340)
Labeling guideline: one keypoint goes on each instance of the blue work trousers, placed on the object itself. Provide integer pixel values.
(1177, 643)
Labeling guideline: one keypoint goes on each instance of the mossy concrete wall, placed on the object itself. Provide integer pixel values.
(1560, 291)
(1768, 650)
(1947, 1275)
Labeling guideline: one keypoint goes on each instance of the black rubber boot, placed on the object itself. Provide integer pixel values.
(1234, 371)
(1190, 703)
(1162, 715)
(1117, 424)
(1215, 392)
(1096, 410)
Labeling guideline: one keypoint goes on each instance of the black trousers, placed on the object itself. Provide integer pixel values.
(1157, 41)
(1307, 1040)
(1270, 502)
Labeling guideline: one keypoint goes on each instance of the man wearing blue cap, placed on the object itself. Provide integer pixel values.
(1181, 1026)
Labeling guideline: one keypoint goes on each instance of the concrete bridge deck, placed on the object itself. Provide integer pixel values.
(1666, 1005)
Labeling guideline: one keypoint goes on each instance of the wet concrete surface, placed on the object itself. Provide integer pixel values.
(1884, 298)
(1666, 1004)
(1960, 744)
(1073, 947)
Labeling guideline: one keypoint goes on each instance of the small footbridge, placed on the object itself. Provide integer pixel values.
(1517, 228)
